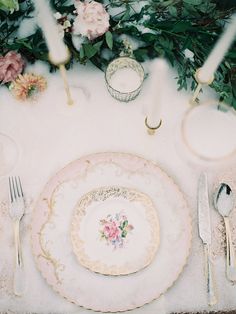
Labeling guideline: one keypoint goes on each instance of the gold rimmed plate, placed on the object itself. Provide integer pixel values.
(115, 230)
(53, 218)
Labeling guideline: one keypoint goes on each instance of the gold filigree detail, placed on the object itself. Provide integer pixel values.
(102, 194)
(46, 253)
(51, 203)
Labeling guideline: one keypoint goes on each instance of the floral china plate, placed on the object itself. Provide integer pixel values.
(115, 230)
(90, 178)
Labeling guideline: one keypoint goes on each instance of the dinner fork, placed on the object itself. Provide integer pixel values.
(16, 212)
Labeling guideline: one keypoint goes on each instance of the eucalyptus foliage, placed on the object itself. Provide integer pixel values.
(9, 5)
(148, 29)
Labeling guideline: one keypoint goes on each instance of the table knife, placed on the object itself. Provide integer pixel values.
(204, 224)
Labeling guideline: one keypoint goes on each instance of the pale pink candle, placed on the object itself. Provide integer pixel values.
(157, 77)
(58, 51)
(216, 56)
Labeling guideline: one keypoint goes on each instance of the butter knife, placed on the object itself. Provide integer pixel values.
(204, 224)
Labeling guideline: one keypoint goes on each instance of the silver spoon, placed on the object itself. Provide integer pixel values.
(224, 202)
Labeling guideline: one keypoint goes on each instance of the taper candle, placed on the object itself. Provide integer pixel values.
(158, 71)
(58, 51)
(206, 73)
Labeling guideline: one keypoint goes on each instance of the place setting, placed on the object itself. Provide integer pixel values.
(124, 230)
(114, 230)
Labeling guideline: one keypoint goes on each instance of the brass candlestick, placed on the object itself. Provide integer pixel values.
(62, 69)
(199, 86)
(152, 130)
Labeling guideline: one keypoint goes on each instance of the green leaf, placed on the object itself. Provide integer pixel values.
(149, 37)
(187, 43)
(125, 223)
(109, 39)
(24, 43)
(81, 52)
(205, 8)
(126, 16)
(181, 27)
(65, 8)
(89, 50)
(165, 42)
(124, 234)
(159, 49)
(193, 2)
(172, 10)
(140, 54)
(167, 25)
(98, 45)
(9, 5)
(227, 65)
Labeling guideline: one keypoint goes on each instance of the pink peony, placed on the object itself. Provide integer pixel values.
(11, 65)
(92, 19)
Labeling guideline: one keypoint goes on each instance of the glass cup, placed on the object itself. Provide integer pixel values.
(124, 78)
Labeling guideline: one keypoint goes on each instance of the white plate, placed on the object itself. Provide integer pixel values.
(207, 131)
(51, 240)
(115, 230)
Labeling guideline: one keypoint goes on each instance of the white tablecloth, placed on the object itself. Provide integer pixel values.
(50, 134)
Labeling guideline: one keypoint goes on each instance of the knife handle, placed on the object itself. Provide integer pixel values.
(211, 293)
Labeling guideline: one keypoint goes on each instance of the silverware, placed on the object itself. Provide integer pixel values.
(204, 224)
(224, 203)
(16, 212)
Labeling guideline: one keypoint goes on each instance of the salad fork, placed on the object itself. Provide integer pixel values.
(16, 212)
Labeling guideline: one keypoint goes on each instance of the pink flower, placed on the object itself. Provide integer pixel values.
(111, 231)
(11, 65)
(92, 19)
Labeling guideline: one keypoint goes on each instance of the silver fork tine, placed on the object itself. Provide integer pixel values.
(14, 189)
(17, 188)
(20, 187)
(10, 189)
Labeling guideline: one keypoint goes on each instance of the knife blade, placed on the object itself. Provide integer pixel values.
(204, 225)
(204, 220)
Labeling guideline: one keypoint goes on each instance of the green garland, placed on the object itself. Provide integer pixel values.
(173, 26)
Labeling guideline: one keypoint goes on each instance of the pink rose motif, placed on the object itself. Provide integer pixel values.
(11, 65)
(111, 231)
(115, 230)
(92, 19)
